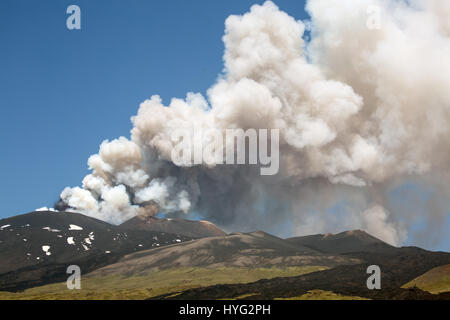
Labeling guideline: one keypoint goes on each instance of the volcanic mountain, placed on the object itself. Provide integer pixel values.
(399, 266)
(141, 258)
(188, 228)
(36, 248)
(254, 250)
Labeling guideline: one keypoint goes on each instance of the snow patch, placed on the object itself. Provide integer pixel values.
(46, 209)
(50, 229)
(70, 240)
(75, 227)
(46, 249)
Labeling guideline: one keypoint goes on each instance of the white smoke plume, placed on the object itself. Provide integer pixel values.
(357, 108)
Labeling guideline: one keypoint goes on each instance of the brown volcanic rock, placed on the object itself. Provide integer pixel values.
(187, 228)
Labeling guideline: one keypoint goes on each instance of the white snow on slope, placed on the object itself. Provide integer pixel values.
(46, 209)
(46, 249)
(51, 230)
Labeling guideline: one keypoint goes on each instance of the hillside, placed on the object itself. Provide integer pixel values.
(436, 280)
(193, 229)
(345, 242)
(398, 267)
(127, 262)
(236, 250)
(36, 248)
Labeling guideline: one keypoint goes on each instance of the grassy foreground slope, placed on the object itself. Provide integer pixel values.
(155, 283)
(323, 295)
(310, 295)
(435, 281)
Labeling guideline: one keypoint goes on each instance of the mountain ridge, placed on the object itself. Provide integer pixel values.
(37, 247)
(343, 242)
(337, 262)
(234, 250)
(189, 228)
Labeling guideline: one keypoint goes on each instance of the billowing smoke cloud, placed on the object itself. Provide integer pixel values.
(357, 109)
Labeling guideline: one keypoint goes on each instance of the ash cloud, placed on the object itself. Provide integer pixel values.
(357, 110)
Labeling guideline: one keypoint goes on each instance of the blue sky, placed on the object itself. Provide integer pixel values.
(63, 92)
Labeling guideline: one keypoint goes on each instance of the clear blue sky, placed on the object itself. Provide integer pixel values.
(63, 92)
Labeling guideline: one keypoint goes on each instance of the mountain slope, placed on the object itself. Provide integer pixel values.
(436, 280)
(37, 248)
(193, 229)
(225, 265)
(254, 250)
(398, 266)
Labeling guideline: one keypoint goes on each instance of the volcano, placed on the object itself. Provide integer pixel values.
(37, 247)
(148, 257)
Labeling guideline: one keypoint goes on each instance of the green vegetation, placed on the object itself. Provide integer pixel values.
(154, 283)
(435, 281)
(322, 295)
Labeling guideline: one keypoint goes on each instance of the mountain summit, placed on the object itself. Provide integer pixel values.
(154, 257)
(187, 228)
(344, 242)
